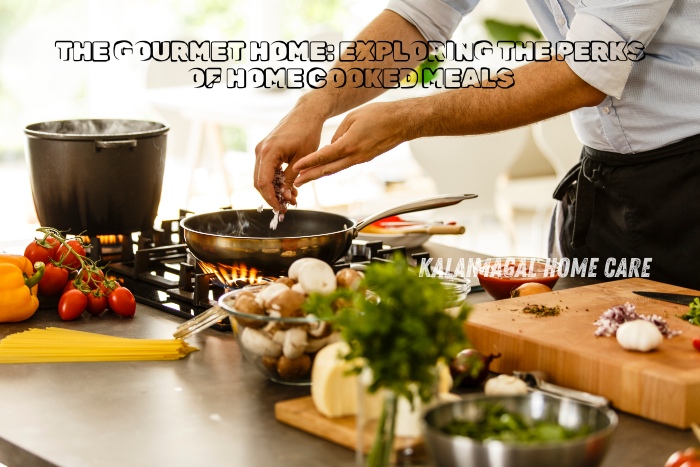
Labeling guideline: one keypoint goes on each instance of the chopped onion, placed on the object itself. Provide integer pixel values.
(613, 317)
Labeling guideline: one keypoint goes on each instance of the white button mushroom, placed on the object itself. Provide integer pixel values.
(296, 266)
(271, 291)
(317, 276)
(295, 340)
(259, 343)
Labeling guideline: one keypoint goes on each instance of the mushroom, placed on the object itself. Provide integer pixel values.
(315, 344)
(245, 303)
(317, 276)
(259, 343)
(348, 278)
(295, 341)
(294, 369)
(319, 329)
(270, 363)
(288, 281)
(278, 336)
(298, 288)
(288, 304)
(296, 266)
(271, 291)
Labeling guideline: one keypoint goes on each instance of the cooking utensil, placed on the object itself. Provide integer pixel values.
(586, 451)
(433, 229)
(244, 236)
(680, 299)
(96, 176)
(536, 380)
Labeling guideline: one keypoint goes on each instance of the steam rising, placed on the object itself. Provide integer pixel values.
(96, 127)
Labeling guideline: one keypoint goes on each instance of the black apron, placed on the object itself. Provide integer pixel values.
(644, 205)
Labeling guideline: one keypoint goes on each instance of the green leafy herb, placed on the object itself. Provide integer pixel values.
(502, 425)
(402, 335)
(693, 314)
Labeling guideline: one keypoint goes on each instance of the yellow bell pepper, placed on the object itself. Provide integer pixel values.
(18, 286)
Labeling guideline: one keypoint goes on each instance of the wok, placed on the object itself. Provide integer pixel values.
(236, 237)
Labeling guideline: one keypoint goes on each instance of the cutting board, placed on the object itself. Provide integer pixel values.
(302, 414)
(663, 385)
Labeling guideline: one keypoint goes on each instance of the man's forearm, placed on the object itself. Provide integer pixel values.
(541, 90)
(331, 100)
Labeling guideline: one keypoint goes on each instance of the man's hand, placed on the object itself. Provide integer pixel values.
(297, 135)
(364, 134)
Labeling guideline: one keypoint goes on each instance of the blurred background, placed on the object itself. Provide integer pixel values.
(213, 132)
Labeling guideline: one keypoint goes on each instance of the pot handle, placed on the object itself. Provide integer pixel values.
(122, 143)
(421, 205)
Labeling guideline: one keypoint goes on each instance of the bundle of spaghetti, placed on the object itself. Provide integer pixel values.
(65, 345)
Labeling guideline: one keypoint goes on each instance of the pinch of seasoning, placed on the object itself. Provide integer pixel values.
(541, 311)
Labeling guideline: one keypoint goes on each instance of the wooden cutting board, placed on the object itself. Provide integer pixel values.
(302, 414)
(663, 385)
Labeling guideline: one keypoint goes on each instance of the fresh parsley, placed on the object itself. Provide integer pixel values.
(693, 314)
(401, 335)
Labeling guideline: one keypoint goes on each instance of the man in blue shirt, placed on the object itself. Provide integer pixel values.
(634, 193)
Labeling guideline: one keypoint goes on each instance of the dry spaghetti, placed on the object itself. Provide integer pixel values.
(64, 345)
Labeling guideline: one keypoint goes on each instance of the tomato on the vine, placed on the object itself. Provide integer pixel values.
(53, 281)
(92, 277)
(35, 252)
(96, 303)
(122, 301)
(70, 259)
(71, 305)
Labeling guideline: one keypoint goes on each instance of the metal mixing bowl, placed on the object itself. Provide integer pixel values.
(460, 451)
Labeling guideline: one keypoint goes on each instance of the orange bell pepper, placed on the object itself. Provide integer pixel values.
(18, 287)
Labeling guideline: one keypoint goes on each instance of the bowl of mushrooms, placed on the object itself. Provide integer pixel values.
(274, 331)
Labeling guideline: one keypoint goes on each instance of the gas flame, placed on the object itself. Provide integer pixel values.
(235, 274)
(106, 239)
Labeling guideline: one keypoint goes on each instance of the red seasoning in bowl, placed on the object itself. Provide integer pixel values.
(500, 276)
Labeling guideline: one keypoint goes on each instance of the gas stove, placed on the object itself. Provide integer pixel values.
(158, 269)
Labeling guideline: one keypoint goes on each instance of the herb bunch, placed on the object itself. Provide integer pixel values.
(402, 335)
(693, 314)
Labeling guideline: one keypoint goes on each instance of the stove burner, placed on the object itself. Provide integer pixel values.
(162, 274)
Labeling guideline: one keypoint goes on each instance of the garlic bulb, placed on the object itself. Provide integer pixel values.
(505, 385)
(639, 335)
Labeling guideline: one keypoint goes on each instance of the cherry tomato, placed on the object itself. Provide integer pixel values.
(687, 458)
(53, 281)
(70, 285)
(93, 278)
(35, 252)
(696, 343)
(71, 305)
(96, 303)
(69, 259)
(122, 301)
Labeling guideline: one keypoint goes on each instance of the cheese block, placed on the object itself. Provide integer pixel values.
(334, 390)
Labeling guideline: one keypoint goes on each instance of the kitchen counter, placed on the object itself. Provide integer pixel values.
(211, 408)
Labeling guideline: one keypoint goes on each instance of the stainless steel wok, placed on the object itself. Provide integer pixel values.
(244, 236)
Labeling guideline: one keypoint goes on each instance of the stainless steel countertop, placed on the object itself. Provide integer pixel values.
(211, 408)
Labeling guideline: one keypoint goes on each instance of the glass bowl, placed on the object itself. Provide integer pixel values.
(264, 340)
(596, 425)
(500, 276)
(460, 286)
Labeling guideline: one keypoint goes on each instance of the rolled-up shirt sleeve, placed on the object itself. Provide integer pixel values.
(436, 20)
(613, 21)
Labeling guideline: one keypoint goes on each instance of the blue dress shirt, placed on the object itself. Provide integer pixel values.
(651, 103)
